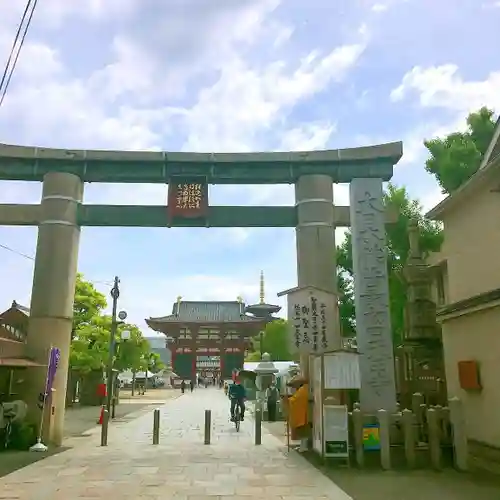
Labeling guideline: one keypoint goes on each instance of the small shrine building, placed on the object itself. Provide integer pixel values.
(208, 338)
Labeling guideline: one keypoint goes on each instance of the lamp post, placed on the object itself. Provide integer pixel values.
(115, 293)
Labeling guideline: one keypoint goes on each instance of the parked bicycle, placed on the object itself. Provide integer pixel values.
(237, 417)
(10, 412)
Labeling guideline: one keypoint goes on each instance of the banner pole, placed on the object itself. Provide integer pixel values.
(39, 446)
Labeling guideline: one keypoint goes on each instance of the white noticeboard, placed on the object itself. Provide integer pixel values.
(342, 370)
(336, 431)
(313, 318)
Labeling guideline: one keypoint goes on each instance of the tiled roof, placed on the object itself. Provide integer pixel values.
(19, 307)
(209, 312)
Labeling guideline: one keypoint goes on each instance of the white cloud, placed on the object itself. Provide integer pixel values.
(211, 76)
(307, 137)
(379, 7)
(444, 87)
(244, 101)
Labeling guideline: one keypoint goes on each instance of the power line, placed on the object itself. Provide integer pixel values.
(5, 247)
(30, 257)
(18, 43)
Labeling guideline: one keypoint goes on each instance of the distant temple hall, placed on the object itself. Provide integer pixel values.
(210, 338)
(207, 337)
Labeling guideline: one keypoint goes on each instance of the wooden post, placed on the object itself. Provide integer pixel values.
(385, 439)
(258, 426)
(418, 408)
(208, 426)
(409, 437)
(459, 435)
(434, 437)
(357, 426)
(445, 425)
(104, 428)
(156, 426)
(416, 401)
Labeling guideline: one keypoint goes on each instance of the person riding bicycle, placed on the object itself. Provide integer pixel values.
(237, 395)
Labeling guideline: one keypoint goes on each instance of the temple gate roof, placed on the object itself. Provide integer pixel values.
(205, 312)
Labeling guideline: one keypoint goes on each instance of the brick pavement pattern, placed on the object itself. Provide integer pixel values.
(181, 467)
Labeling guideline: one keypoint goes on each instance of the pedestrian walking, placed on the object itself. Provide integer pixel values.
(272, 395)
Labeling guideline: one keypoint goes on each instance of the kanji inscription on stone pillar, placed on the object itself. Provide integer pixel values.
(371, 289)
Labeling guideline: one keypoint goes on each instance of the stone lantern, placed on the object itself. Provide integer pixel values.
(265, 371)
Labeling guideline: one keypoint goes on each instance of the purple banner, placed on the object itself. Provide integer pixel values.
(54, 357)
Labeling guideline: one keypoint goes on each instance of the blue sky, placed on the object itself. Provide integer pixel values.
(232, 75)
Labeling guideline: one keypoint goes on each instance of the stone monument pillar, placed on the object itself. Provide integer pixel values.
(52, 297)
(315, 237)
(371, 290)
(315, 232)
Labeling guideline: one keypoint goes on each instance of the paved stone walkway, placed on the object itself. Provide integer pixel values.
(180, 468)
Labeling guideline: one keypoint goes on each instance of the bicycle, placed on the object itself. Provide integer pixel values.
(7, 415)
(237, 417)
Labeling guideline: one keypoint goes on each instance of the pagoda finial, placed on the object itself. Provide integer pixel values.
(262, 294)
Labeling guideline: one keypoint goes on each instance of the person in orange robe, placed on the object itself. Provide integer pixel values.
(297, 406)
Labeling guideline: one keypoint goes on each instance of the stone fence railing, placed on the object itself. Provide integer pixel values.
(419, 437)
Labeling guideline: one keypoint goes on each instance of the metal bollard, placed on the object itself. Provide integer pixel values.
(104, 428)
(208, 426)
(156, 426)
(258, 427)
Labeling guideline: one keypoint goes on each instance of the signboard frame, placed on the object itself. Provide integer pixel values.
(336, 437)
(187, 197)
(313, 318)
(341, 370)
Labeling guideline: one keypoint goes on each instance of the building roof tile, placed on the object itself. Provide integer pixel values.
(209, 312)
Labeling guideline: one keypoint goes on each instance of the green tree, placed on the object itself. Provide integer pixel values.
(275, 341)
(155, 364)
(456, 157)
(89, 347)
(395, 199)
(130, 353)
(88, 304)
(346, 304)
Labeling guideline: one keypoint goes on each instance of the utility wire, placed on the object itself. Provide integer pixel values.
(18, 43)
(30, 257)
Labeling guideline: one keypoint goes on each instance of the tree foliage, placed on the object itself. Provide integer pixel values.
(456, 157)
(91, 336)
(88, 303)
(346, 304)
(430, 239)
(275, 341)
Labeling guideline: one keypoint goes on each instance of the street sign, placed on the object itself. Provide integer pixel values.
(122, 315)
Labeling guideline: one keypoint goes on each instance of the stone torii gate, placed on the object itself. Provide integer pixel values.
(62, 213)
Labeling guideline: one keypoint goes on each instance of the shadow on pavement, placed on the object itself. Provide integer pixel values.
(10, 461)
(375, 484)
(78, 422)
(408, 485)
